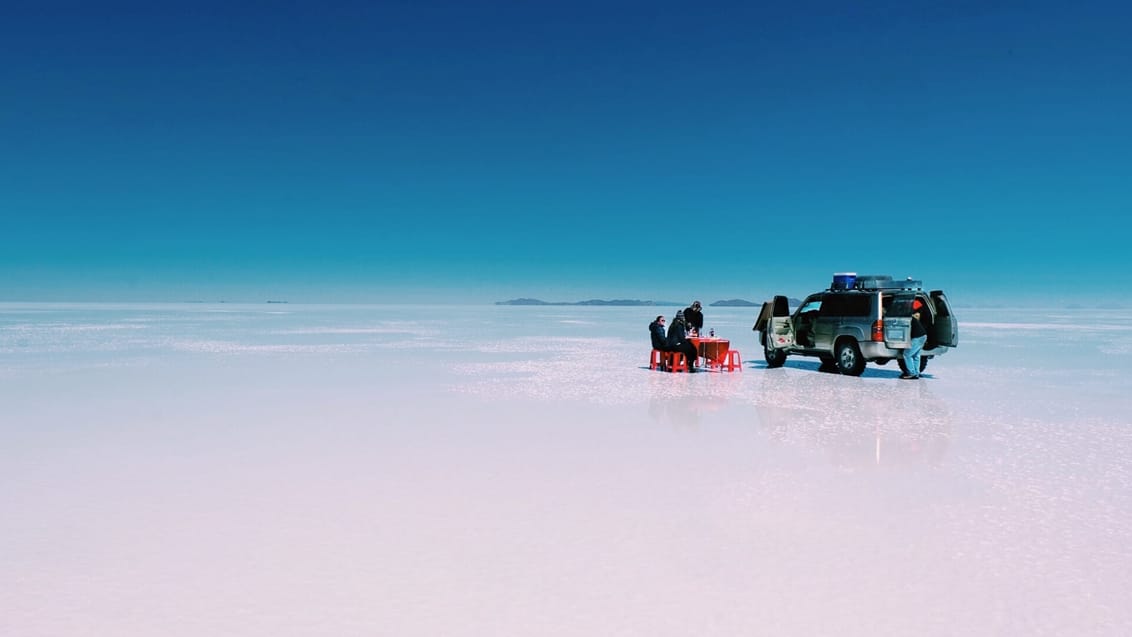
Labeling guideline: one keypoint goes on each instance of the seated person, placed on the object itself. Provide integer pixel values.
(656, 331)
(678, 340)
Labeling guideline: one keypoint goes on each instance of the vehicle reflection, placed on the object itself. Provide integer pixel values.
(857, 424)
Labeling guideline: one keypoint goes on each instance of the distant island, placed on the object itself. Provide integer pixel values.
(626, 303)
(620, 302)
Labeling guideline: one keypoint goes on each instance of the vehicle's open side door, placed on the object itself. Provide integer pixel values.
(765, 314)
(779, 332)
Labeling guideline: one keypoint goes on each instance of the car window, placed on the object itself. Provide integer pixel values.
(886, 304)
(810, 305)
(901, 305)
(833, 305)
(857, 305)
(846, 305)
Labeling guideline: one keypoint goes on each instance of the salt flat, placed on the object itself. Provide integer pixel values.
(286, 469)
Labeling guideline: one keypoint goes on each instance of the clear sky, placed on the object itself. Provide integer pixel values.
(479, 151)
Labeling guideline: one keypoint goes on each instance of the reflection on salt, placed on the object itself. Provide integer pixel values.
(855, 422)
(683, 411)
(510, 466)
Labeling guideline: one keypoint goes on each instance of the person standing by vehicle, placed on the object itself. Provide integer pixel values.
(919, 337)
(678, 340)
(694, 316)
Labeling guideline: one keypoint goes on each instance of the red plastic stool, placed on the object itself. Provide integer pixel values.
(732, 361)
(657, 359)
(677, 362)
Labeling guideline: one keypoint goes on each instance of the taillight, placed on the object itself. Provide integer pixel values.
(878, 330)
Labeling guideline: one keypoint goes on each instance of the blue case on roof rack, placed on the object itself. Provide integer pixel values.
(843, 280)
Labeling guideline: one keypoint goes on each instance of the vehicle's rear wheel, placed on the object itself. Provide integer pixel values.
(774, 357)
(904, 367)
(849, 359)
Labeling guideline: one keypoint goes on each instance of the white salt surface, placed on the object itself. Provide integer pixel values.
(360, 470)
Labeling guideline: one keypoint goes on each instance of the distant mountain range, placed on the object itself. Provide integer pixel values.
(627, 302)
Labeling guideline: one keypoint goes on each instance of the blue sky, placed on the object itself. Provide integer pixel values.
(478, 151)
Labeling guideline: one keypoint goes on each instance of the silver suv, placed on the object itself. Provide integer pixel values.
(856, 321)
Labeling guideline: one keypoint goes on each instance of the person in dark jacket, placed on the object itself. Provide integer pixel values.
(678, 340)
(656, 331)
(694, 317)
(919, 337)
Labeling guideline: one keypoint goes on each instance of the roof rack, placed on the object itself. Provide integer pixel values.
(843, 281)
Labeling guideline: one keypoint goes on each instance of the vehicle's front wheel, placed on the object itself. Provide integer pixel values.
(774, 357)
(904, 367)
(849, 359)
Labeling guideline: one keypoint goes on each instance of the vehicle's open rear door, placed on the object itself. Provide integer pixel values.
(946, 326)
(898, 320)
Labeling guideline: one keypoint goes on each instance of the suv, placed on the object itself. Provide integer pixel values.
(856, 321)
